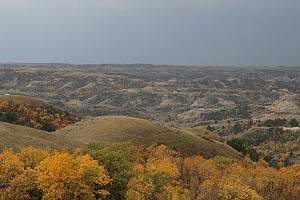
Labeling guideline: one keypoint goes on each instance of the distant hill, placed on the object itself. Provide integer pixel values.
(28, 100)
(35, 113)
(16, 137)
(286, 106)
(111, 129)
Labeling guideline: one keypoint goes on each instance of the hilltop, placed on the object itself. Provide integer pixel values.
(111, 129)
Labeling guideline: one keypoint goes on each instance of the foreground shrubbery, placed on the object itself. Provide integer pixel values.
(122, 170)
(37, 174)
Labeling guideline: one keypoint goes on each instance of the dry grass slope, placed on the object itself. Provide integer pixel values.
(142, 132)
(16, 137)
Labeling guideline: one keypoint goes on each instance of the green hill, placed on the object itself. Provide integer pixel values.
(142, 132)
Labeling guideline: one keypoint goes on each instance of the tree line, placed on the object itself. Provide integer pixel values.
(126, 171)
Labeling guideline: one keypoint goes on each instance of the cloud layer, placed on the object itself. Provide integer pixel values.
(202, 32)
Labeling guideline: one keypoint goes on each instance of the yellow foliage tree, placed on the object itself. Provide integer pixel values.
(140, 188)
(32, 156)
(231, 188)
(12, 179)
(65, 176)
(158, 177)
(197, 170)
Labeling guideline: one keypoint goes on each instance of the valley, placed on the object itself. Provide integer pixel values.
(149, 132)
(175, 95)
(231, 102)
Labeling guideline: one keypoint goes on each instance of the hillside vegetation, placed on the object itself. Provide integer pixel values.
(111, 129)
(33, 113)
(124, 171)
(17, 137)
(34, 102)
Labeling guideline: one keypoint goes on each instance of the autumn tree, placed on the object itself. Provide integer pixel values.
(31, 156)
(196, 171)
(65, 176)
(156, 172)
(12, 179)
(43, 117)
(232, 188)
(158, 177)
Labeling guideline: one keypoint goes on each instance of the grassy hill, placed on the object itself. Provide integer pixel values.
(16, 137)
(142, 132)
(28, 111)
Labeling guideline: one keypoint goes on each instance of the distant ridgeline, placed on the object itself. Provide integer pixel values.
(27, 111)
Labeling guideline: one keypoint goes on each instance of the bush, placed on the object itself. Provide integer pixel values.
(11, 117)
(210, 128)
(237, 128)
(293, 122)
(237, 144)
(275, 123)
(46, 126)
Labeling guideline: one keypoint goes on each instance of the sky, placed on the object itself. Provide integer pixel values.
(182, 32)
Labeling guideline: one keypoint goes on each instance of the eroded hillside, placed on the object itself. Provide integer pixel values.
(176, 95)
(233, 102)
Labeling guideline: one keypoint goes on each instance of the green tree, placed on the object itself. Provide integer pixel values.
(118, 159)
(269, 123)
(293, 122)
(250, 124)
(254, 155)
(237, 144)
(46, 126)
(237, 127)
(210, 128)
(11, 117)
(279, 122)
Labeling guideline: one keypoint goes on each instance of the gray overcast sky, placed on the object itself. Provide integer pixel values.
(191, 32)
